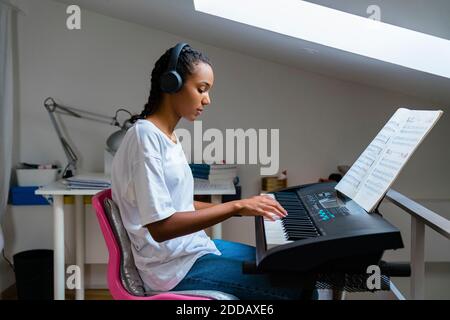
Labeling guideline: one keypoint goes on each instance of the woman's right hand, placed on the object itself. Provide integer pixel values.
(264, 206)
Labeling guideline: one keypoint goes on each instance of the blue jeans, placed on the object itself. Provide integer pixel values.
(224, 273)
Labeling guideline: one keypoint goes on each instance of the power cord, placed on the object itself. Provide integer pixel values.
(7, 260)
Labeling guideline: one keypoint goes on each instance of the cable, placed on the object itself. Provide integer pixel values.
(116, 122)
(7, 260)
(122, 109)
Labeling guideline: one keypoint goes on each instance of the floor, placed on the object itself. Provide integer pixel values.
(437, 284)
(90, 294)
(437, 287)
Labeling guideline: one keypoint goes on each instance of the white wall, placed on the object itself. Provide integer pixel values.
(6, 273)
(323, 122)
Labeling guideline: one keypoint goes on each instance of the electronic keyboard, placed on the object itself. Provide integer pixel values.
(324, 231)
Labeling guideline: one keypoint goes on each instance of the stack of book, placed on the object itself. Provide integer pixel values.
(200, 170)
(215, 173)
(269, 184)
(89, 181)
(223, 173)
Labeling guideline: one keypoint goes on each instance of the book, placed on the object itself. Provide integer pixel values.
(94, 177)
(81, 187)
(216, 172)
(200, 170)
(88, 184)
(224, 174)
(88, 181)
(376, 169)
(222, 180)
(220, 166)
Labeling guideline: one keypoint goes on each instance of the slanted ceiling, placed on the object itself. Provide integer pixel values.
(180, 18)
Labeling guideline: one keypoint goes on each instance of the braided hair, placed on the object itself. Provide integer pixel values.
(187, 60)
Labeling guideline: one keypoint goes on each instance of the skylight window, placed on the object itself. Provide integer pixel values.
(337, 29)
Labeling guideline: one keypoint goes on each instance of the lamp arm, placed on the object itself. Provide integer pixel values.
(52, 108)
(70, 154)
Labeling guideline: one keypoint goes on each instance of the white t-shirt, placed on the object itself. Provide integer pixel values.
(151, 180)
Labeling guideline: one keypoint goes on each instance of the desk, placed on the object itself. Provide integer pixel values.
(203, 187)
(58, 190)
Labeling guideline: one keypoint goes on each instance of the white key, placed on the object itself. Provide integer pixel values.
(274, 231)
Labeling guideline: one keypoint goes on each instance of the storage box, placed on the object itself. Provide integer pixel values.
(24, 196)
(36, 177)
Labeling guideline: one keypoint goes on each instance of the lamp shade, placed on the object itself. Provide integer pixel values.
(114, 140)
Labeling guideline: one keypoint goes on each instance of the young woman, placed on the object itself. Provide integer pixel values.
(152, 185)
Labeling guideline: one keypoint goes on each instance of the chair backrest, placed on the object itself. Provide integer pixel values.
(124, 281)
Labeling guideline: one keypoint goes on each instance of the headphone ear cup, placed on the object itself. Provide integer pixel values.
(171, 82)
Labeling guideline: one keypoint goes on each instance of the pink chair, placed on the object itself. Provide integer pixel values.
(124, 281)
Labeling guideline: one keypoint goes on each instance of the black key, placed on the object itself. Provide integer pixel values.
(299, 232)
(288, 200)
(298, 223)
(293, 228)
(299, 220)
(290, 207)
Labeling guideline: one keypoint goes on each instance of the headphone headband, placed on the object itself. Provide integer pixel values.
(170, 80)
(175, 54)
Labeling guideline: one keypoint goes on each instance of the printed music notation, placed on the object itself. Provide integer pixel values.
(379, 165)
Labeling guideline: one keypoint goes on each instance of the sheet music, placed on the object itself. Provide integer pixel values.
(377, 167)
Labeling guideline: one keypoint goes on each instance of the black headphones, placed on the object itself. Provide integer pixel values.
(171, 80)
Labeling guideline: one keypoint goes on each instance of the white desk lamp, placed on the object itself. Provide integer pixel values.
(112, 143)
